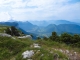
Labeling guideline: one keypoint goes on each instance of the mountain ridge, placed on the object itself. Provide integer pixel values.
(61, 27)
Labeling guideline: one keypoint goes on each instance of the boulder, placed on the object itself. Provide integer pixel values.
(27, 36)
(5, 35)
(28, 54)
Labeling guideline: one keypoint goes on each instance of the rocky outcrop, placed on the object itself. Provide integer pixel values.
(5, 35)
(28, 54)
(35, 45)
(27, 36)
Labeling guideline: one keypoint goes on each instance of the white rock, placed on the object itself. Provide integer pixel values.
(5, 35)
(75, 53)
(67, 51)
(36, 46)
(38, 50)
(42, 54)
(51, 51)
(61, 50)
(28, 54)
(13, 38)
(27, 36)
(29, 59)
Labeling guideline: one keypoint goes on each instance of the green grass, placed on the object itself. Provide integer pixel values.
(14, 48)
(2, 28)
(10, 49)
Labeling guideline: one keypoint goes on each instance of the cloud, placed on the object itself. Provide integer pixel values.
(68, 12)
(4, 16)
(40, 9)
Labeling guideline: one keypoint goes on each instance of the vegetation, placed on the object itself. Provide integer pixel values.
(13, 31)
(72, 40)
(2, 28)
(12, 49)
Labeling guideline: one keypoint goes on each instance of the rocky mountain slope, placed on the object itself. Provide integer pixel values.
(42, 49)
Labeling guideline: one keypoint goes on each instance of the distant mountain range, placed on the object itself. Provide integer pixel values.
(9, 23)
(45, 28)
(61, 28)
(57, 22)
(27, 26)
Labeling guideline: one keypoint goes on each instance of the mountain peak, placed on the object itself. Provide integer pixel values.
(11, 20)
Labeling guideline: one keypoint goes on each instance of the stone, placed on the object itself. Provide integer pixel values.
(36, 45)
(27, 36)
(28, 54)
(55, 56)
(5, 35)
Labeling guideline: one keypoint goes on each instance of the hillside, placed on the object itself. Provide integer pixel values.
(27, 26)
(14, 48)
(22, 26)
(2, 28)
(71, 28)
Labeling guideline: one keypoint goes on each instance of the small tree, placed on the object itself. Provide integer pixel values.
(8, 31)
(54, 36)
(45, 38)
(75, 39)
(38, 38)
(66, 38)
(12, 31)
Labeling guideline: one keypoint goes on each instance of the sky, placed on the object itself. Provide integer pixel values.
(24, 10)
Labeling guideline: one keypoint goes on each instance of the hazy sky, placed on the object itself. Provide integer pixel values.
(23, 10)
